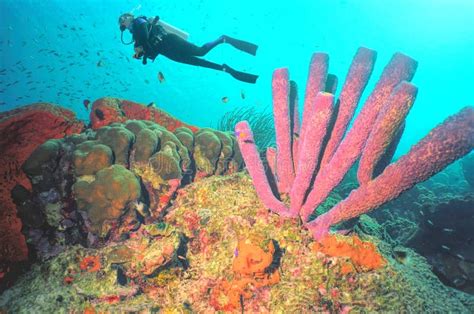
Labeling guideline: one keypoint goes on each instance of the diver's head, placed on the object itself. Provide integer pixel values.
(125, 20)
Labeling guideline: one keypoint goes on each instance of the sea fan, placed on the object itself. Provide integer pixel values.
(261, 123)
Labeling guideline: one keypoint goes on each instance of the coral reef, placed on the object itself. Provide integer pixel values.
(143, 213)
(297, 167)
(23, 130)
(219, 248)
(450, 248)
(100, 186)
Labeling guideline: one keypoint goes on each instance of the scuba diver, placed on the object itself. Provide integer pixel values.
(153, 37)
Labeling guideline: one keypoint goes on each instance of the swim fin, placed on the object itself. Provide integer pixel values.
(241, 45)
(241, 76)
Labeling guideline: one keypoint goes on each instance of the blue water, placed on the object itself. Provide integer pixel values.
(437, 33)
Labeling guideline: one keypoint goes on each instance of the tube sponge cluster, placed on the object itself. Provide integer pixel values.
(311, 160)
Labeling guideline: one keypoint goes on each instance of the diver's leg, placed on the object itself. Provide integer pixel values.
(236, 43)
(200, 62)
(177, 45)
(241, 45)
(174, 45)
(241, 76)
(204, 49)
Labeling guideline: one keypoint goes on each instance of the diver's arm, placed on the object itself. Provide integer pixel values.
(141, 36)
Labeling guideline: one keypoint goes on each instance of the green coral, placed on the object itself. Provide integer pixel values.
(186, 137)
(90, 157)
(146, 145)
(49, 150)
(166, 162)
(105, 196)
(136, 126)
(119, 139)
(207, 150)
(227, 151)
(169, 137)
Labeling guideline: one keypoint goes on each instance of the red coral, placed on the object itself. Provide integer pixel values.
(68, 280)
(249, 267)
(90, 264)
(362, 254)
(108, 110)
(23, 130)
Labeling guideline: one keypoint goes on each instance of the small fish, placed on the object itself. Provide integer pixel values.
(140, 208)
(448, 230)
(86, 103)
(100, 63)
(445, 247)
(151, 105)
(240, 135)
(430, 222)
(249, 141)
(225, 99)
(242, 94)
(161, 77)
(460, 257)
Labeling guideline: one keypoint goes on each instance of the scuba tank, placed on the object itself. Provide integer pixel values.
(173, 30)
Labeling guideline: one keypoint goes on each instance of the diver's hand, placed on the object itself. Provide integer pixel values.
(138, 52)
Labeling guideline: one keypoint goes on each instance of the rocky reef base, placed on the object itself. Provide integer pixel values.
(219, 249)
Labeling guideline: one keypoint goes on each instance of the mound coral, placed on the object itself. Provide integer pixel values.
(106, 196)
(309, 167)
(101, 185)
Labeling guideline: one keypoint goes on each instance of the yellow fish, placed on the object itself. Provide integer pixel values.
(161, 77)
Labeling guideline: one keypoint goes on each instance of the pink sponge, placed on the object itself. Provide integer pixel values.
(400, 68)
(449, 141)
(256, 170)
(385, 129)
(309, 167)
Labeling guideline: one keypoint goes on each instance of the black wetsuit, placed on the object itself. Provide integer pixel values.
(154, 40)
